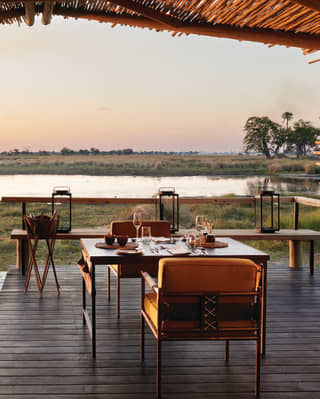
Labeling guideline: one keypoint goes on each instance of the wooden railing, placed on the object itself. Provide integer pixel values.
(240, 200)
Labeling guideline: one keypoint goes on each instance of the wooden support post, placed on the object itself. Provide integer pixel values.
(29, 12)
(295, 253)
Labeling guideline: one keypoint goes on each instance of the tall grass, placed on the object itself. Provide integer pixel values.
(153, 165)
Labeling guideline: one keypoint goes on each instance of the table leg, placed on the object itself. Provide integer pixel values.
(93, 299)
(295, 253)
(91, 323)
(264, 310)
(311, 257)
(84, 306)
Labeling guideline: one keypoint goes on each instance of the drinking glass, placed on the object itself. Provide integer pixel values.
(137, 221)
(146, 234)
(200, 219)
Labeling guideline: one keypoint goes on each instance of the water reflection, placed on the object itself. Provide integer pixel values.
(140, 186)
(284, 185)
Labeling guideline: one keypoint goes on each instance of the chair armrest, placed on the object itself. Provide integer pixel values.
(150, 281)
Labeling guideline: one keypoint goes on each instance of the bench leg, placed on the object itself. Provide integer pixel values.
(295, 253)
(22, 253)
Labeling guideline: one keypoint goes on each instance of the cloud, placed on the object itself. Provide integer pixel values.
(103, 109)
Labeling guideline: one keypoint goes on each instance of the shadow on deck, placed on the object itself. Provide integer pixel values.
(45, 351)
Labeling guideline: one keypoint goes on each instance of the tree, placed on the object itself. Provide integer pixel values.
(94, 151)
(263, 136)
(278, 139)
(66, 151)
(84, 152)
(127, 151)
(287, 117)
(303, 136)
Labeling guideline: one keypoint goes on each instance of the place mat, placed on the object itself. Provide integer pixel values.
(129, 245)
(216, 244)
(129, 252)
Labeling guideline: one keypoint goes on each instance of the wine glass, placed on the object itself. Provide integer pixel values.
(137, 221)
(200, 219)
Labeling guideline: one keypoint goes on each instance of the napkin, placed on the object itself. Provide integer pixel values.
(129, 252)
(161, 240)
(178, 251)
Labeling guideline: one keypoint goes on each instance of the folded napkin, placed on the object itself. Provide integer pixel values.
(161, 240)
(178, 251)
(129, 252)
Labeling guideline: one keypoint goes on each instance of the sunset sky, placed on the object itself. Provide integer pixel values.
(83, 84)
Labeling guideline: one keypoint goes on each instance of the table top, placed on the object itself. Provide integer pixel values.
(235, 249)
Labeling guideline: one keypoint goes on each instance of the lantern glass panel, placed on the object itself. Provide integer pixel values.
(61, 202)
(268, 212)
(169, 207)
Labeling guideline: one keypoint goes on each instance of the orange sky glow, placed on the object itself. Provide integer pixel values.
(83, 84)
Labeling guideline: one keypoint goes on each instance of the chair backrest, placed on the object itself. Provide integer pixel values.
(159, 228)
(201, 292)
(191, 275)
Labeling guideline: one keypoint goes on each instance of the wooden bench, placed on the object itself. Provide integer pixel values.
(294, 237)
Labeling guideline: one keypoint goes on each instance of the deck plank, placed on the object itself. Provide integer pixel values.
(45, 352)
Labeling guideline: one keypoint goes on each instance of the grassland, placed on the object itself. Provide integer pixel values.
(223, 216)
(153, 165)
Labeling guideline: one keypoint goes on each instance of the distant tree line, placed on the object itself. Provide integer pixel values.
(271, 139)
(95, 151)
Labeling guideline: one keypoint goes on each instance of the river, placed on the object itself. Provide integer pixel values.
(140, 186)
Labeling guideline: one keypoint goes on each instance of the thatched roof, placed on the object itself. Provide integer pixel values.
(293, 23)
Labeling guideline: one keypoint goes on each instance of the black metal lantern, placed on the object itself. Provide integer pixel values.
(61, 201)
(168, 207)
(267, 212)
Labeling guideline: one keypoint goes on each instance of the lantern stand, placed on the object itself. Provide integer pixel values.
(260, 215)
(166, 194)
(64, 194)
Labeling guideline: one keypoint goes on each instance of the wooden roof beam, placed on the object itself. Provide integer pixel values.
(29, 12)
(311, 4)
(47, 11)
(155, 15)
(260, 35)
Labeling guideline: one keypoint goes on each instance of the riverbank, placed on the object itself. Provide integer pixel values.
(154, 165)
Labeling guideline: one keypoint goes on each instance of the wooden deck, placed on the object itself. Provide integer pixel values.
(45, 351)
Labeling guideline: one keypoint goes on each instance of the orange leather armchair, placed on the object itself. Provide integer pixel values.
(203, 299)
(159, 228)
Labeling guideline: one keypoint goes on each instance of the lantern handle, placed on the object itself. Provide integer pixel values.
(61, 190)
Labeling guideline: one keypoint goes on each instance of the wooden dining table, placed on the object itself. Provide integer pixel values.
(93, 257)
